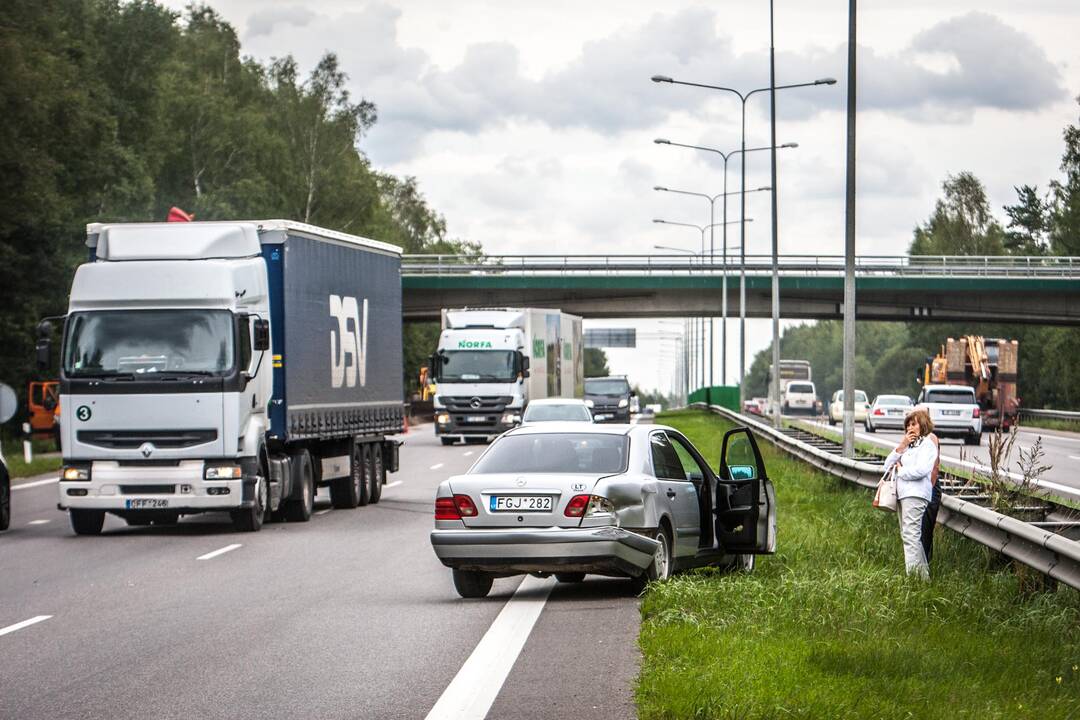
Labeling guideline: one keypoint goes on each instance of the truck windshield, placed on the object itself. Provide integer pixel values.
(555, 453)
(954, 397)
(144, 342)
(607, 386)
(477, 366)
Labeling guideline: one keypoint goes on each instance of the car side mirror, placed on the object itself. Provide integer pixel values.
(261, 335)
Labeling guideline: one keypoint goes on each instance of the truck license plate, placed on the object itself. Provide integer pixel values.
(519, 503)
(475, 418)
(146, 504)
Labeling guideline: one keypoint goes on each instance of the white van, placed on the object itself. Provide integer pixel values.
(799, 396)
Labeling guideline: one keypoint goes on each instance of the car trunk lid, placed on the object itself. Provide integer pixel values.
(522, 499)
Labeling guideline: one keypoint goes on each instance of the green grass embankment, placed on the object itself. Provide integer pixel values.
(830, 627)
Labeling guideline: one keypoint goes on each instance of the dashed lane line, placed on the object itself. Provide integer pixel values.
(387, 486)
(323, 512)
(36, 483)
(38, 522)
(476, 685)
(436, 466)
(467, 453)
(219, 551)
(25, 623)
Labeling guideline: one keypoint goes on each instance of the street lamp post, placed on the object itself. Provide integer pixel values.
(742, 191)
(743, 97)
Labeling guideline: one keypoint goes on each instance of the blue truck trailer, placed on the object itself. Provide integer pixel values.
(227, 366)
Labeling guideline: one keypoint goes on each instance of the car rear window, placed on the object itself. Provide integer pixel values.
(800, 388)
(955, 397)
(555, 453)
(548, 413)
(894, 400)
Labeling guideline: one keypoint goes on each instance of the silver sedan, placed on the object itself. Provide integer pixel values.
(635, 501)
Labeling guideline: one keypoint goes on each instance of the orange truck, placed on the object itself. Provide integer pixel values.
(43, 400)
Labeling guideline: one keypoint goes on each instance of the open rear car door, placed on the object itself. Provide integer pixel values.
(745, 506)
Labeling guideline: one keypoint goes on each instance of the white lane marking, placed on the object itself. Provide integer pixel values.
(436, 466)
(468, 453)
(36, 483)
(387, 486)
(476, 685)
(25, 623)
(219, 551)
(38, 522)
(323, 512)
(1074, 457)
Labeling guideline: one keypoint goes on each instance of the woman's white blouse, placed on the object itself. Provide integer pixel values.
(916, 468)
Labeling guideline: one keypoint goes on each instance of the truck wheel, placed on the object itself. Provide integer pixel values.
(447, 441)
(299, 508)
(250, 519)
(5, 501)
(472, 584)
(378, 473)
(87, 522)
(367, 478)
(345, 492)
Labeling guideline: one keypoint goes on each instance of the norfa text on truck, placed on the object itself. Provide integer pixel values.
(227, 366)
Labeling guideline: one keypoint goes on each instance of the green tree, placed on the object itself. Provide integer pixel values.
(596, 363)
(962, 222)
(1064, 220)
(1028, 223)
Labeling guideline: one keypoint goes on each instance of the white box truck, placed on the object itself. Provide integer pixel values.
(227, 366)
(490, 363)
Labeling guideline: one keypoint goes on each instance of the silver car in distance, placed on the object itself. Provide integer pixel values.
(633, 501)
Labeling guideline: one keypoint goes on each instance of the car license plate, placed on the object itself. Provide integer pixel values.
(520, 503)
(950, 412)
(475, 418)
(146, 504)
(599, 417)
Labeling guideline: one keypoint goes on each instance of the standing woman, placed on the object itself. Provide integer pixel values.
(915, 458)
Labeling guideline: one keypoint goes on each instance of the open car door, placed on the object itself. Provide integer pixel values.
(745, 507)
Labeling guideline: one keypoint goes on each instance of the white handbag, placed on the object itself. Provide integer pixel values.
(885, 497)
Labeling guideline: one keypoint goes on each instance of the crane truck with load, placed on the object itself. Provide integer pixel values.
(227, 366)
(490, 363)
(986, 365)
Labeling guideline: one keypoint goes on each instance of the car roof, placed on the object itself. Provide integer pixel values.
(557, 401)
(560, 426)
(949, 387)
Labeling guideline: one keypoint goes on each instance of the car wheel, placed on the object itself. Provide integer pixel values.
(87, 522)
(378, 473)
(869, 427)
(299, 509)
(742, 563)
(250, 519)
(660, 568)
(973, 439)
(5, 501)
(574, 577)
(472, 584)
(447, 441)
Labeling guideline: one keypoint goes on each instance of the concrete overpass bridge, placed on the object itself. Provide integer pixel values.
(1035, 290)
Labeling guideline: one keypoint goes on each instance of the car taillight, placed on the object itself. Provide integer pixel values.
(576, 506)
(445, 509)
(465, 505)
(879, 411)
(975, 413)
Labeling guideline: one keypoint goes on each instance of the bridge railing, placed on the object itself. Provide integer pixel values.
(824, 265)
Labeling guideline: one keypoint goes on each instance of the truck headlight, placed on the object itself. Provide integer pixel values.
(76, 472)
(511, 418)
(623, 403)
(223, 472)
(442, 419)
(589, 403)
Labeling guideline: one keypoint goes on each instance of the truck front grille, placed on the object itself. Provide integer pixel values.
(134, 439)
(475, 404)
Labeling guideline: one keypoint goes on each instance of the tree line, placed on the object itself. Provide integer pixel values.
(889, 355)
(118, 110)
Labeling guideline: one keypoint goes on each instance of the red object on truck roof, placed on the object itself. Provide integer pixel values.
(178, 215)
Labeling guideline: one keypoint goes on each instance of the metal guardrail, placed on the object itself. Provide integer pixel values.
(1051, 414)
(1049, 553)
(822, 265)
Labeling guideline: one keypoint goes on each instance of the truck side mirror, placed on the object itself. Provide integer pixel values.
(435, 364)
(524, 360)
(261, 337)
(43, 347)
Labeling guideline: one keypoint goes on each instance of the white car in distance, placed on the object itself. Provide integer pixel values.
(836, 407)
(557, 410)
(799, 396)
(888, 413)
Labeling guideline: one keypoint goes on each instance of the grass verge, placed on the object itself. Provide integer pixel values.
(18, 468)
(1051, 424)
(830, 627)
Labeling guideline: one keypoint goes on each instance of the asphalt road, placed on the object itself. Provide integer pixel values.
(348, 616)
(1061, 451)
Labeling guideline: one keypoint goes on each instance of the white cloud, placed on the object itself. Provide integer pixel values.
(265, 21)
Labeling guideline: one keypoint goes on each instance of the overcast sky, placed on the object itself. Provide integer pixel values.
(530, 124)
